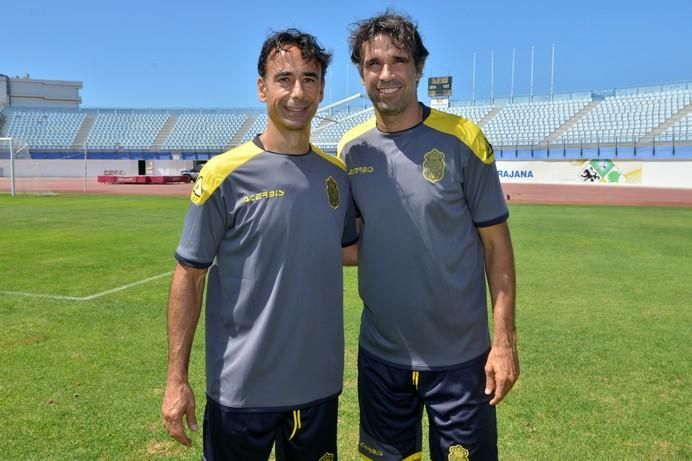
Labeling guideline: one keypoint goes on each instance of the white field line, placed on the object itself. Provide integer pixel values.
(86, 298)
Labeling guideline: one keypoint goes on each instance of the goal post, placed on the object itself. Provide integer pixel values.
(25, 169)
(7, 152)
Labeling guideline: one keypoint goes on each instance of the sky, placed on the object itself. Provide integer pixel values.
(203, 53)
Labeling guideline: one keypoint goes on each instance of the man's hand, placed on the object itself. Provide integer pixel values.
(501, 371)
(179, 401)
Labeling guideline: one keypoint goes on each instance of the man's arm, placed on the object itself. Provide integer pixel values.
(184, 307)
(502, 367)
(350, 253)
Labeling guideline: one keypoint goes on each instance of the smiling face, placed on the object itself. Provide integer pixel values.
(292, 88)
(389, 76)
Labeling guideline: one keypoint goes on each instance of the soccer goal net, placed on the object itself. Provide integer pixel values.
(22, 171)
(15, 164)
(7, 165)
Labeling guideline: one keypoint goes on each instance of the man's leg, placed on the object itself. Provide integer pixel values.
(462, 422)
(233, 435)
(309, 434)
(390, 412)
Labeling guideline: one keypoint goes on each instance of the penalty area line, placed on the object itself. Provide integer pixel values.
(86, 298)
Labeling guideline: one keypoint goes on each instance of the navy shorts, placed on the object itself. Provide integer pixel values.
(305, 434)
(462, 423)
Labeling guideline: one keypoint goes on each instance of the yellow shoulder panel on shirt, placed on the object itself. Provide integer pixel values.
(465, 130)
(354, 133)
(330, 158)
(217, 169)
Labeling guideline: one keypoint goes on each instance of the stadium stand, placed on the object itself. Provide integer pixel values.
(44, 128)
(204, 130)
(125, 129)
(630, 122)
(473, 113)
(626, 118)
(681, 130)
(257, 127)
(530, 123)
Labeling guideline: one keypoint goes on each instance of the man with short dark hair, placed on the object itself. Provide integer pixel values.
(267, 222)
(434, 225)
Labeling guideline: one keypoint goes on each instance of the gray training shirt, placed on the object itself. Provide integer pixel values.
(422, 193)
(269, 226)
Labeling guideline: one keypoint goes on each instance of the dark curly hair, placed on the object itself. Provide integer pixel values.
(402, 30)
(309, 47)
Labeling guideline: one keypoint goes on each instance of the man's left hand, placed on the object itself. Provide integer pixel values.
(501, 372)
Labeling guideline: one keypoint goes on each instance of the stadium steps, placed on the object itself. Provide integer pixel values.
(165, 131)
(84, 130)
(571, 122)
(238, 136)
(679, 115)
(489, 116)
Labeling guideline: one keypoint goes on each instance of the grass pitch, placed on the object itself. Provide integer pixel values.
(604, 318)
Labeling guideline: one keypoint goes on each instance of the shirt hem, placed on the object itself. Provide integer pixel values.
(492, 222)
(413, 367)
(190, 263)
(275, 409)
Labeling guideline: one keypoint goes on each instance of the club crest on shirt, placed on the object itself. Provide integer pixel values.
(332, 192)
(458, 453)
(434, 165)
(327, 457)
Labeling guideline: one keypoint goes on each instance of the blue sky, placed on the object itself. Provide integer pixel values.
(203, 53)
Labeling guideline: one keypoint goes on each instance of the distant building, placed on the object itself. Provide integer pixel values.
(29, 92)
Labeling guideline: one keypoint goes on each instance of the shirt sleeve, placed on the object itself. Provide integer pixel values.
(350, 235)
(483, 191)
(203, 230)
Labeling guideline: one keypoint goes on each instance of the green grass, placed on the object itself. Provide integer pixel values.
(604, 318)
